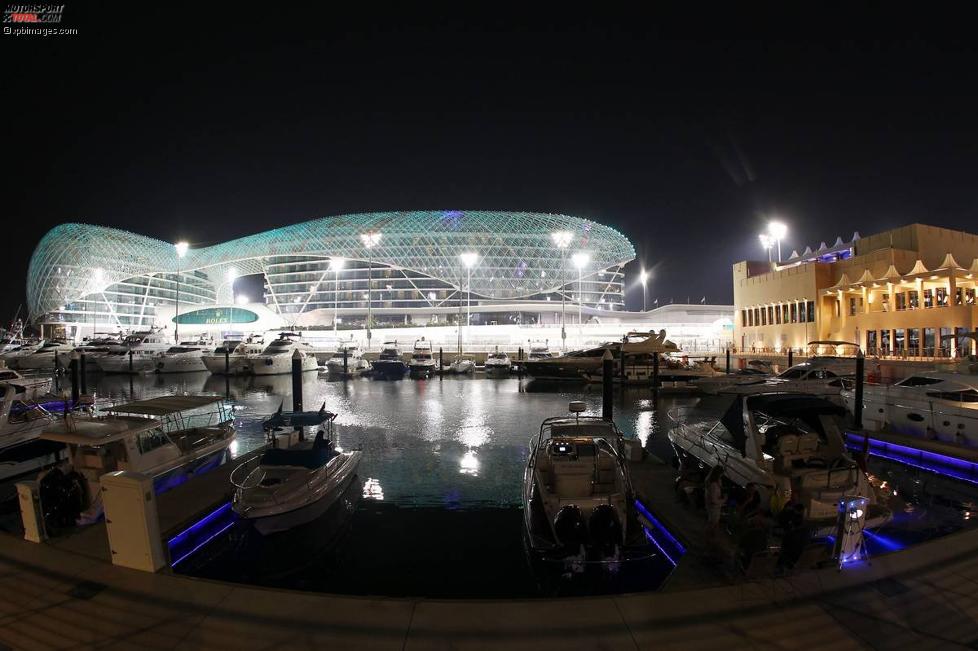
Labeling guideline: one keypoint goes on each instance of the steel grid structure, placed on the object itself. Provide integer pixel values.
(517, 258)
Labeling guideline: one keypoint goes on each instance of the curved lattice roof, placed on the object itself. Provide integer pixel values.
(516, 250)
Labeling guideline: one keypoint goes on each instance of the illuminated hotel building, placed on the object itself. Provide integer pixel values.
(904, 293)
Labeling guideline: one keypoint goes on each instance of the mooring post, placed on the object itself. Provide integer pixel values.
(621, 370)
(655, 373)
(130, 361)
(227, 361)
(728, 360)
(297, 387)
(857, 401)
(607, 385)
(83, 374)
(519, 365)
(346, 363)
(441, 361)
(791, 357)
(73, 366)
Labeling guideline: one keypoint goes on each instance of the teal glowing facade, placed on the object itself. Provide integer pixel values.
(91, 274)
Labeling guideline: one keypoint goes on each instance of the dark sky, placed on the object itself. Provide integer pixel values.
(207, 121)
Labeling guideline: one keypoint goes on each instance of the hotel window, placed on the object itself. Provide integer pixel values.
(957, 296)
(794, 312)
(913, 341)
(770, 314)
(901, 301)
(885, 302)
(945, 342)
(929, 345)
(871, 342)
(811, 311)
(784, 314)
(802, 315)
(763, 316)
(743, 317)
(885, 342)
(969, 296)
(852, 306)
(928, 298)
(941, 296)
(963, 343)
(913, 299)
(777, 314)
(899, 339)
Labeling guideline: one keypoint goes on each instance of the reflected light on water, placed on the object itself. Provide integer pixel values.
(644, 425)
(372, 490)
(469, 465)
(233, 448)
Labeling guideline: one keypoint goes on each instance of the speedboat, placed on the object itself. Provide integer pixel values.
(789, 445)
(232, 357)
(284, 488)
(807, 377)
(674, 370)
(29, 388)
(92, 349)
(422, 363)
(138, 353)
(24, 413)
(932, 406)
(14, 355)
(347, 361)
(188, 357)
(461, 365)
(539, 350)
(578, 500)
(581, 365)
(276, 359)
(715, 384)
(48, 356)
(170, 439)
(498, 364)
(389, 365)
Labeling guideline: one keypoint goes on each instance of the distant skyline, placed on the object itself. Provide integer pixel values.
(686, 133)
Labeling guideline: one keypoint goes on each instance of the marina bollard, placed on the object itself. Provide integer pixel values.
(728, 361)
(297, 387)
(607, 385)
(345, 363)
(130, 361)
(441, 361)
(519, 366)
(73, 367)
(624, 340)
(227, 361)
(857, 399)
(791, 357)
(83, 373)
(655, 374)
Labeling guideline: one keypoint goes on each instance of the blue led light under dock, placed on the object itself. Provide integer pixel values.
(189, 541)
(660, 536)
(934, 462)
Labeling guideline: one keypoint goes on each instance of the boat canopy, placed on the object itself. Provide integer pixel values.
(776, 405)
(164, 405)
(97, 431)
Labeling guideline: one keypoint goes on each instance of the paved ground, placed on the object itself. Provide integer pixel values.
(924, 598)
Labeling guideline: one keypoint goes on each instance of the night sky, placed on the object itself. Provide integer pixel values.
(209, 121)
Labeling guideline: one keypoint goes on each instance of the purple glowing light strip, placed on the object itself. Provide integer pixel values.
(934, 462)
(197, 526)
(651, 539)
(658, 525)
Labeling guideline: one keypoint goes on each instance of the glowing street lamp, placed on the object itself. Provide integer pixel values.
(778, 231)
(369, 239)
(469, 260)
(580, 260)
(644, 277)
(766, 243)
(181, 249)
(336, 266)
(562, 240)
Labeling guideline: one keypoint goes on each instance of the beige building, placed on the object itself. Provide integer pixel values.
(907, 292)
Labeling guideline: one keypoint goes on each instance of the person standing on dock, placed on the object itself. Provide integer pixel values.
(713, 496)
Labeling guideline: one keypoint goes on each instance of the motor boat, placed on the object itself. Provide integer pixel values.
(276, 359)
(789, 445)
(578, 500)
(580, 365)
(347, 361)
(461, 365)
(188, 357)
(716, 383)
(389, 365)
(92, 349)
(47, 357)
(422, 363)
(28, 388)
(539, 350)
(170, 439)
(807, 377)
(237, 359)
(498, 364)
(933, 406)
(24, 413)
(675, 370)
(14, 355)
(284, 488)
(138, 353)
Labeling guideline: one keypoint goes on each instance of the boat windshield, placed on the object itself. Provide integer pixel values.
(497, 356)
(278, 346)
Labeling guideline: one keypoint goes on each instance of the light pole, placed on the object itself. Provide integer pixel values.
(644, 275)
(336, 265)
(562, 240)
(232, 276)
(766, 243)
(181, 248)
(99, 274)
(468, 259)
(580, 261)
(370, 240)
(778, 231)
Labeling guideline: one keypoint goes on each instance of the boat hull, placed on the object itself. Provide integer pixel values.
(280, 365)
(389, 370)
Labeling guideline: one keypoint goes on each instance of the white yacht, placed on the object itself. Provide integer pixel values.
(422, 362)
(188, 357)
(29, 388)
(138, 353)
(25, 410)
(934, 406)
(539, 350)
(807, 377)
(715, 384)
(14, 355)
(284, 488)
(355, 363)
(237, 361)
(92, 349)
(170, 439)
(389, 365)
(578, 500)
(498, 363)
(789, 445)
(276, 359)
(462, 364)
(47, 357)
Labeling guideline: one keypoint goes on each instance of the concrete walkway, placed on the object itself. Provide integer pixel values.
(923, 598)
